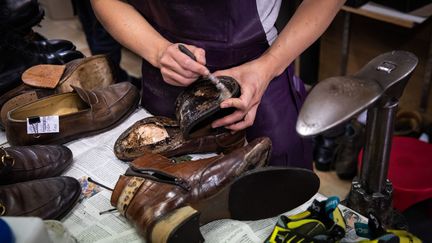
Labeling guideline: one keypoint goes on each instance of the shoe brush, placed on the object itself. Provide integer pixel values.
(224, 92)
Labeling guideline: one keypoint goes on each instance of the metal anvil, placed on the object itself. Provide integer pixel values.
(376, 88)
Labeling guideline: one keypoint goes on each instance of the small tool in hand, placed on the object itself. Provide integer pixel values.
(225, 93)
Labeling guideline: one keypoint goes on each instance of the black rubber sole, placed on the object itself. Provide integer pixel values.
(258, 194)
(270, 191)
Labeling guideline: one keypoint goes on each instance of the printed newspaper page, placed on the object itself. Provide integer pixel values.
(93, 219)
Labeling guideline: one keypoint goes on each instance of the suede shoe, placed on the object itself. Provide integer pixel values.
(80, 114)
(25, 163)
(50, 198)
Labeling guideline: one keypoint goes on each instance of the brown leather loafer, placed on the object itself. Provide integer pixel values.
(81, 113)
(196, 108)
(25, 163)
(154, 185)
(163, 136)
(50, 198)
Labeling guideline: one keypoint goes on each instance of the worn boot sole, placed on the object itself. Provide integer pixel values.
(259, 194)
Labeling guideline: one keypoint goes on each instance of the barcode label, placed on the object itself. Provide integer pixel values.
(43, 124)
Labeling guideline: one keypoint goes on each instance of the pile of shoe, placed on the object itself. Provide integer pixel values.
(168, 201)
(30, 184)
(21, 48)
(48, 79)
(339, 149)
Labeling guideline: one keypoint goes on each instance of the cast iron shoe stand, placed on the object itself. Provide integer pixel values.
(376, 88)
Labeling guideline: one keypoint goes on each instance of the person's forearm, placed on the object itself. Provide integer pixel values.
(308, 23)
(130, 29)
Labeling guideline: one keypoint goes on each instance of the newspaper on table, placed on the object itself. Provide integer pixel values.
(94, 220)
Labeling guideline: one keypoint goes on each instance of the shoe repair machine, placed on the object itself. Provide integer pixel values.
(376, 88)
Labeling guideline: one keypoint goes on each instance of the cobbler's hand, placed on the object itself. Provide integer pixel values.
(253, 82)
(180, 70)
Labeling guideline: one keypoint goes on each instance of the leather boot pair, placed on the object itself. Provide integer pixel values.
(28, 186)
(164, 200)
(196, 108)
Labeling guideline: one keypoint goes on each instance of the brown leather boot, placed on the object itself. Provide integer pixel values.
(50, 198)
(25, 163)
(164, 199)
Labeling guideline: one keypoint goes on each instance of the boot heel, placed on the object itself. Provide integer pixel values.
(181, 225)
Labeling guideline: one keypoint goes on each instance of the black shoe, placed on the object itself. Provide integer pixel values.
(19, 16)
(351, 144)
(325, 148)
(50, 46)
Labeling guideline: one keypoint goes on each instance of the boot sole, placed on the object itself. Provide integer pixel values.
(259, 194)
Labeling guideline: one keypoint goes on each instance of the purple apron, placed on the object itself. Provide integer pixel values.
(231, 33)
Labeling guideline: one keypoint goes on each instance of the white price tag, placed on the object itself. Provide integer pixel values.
(43, 124)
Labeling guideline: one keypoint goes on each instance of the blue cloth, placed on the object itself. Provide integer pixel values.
(6, 235)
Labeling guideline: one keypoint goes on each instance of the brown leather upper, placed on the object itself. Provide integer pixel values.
(24, 163)
(167, 186)
(49, 198)
(80, 114)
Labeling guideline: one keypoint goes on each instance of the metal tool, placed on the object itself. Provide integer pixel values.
(225, 93)
(376, 88)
